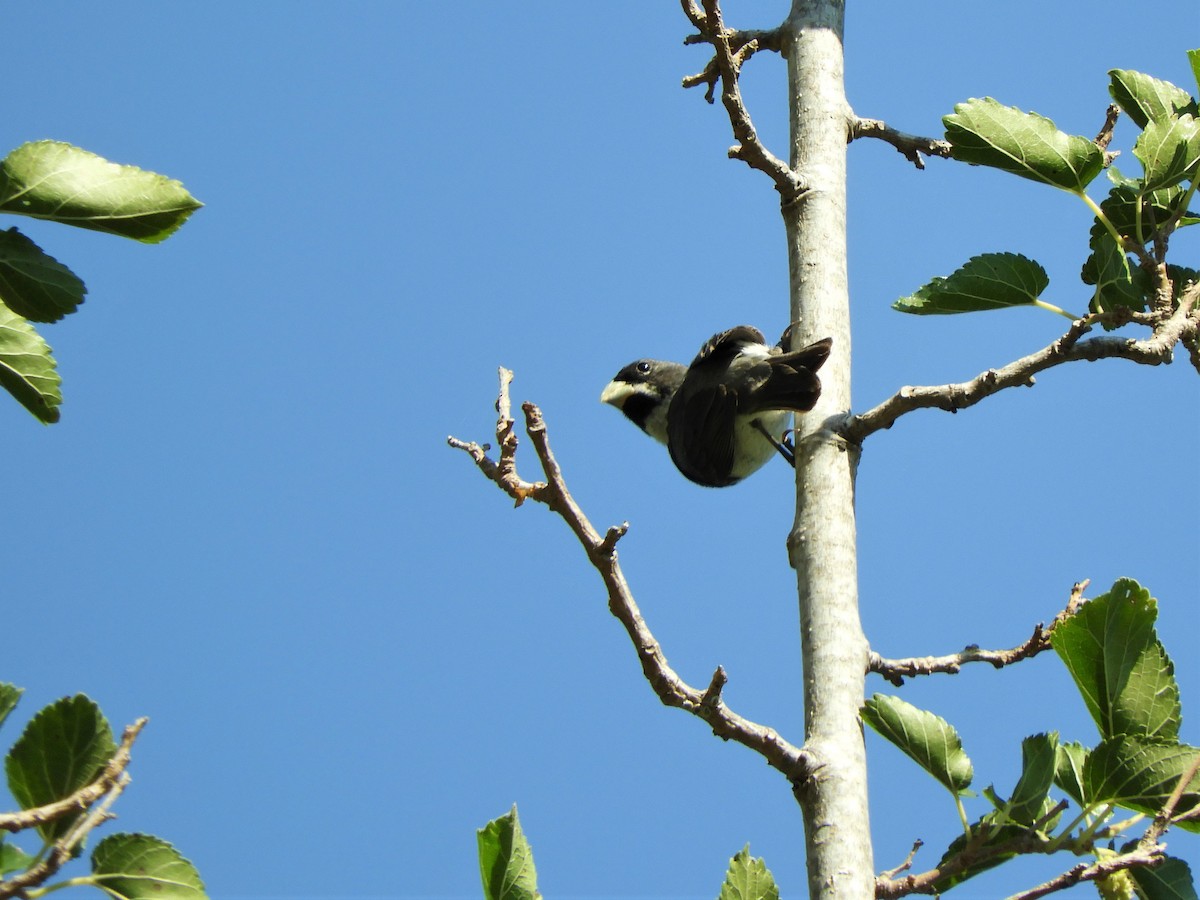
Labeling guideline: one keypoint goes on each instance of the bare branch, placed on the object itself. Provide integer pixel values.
(731, 48)
(671, 689)
(908, 861)
(1153, 350)
(896, 670)
(1097, 870)
(107, 787)
(911, 146)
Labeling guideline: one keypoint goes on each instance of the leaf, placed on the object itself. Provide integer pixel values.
(56, 181)
(986, 834)
(1118, 282)
(1126, 679)
(928, 739)
(13, 858)
(1038, 754)
(1170, 880)
(63, 748)
(10, 694)
(988, 281)
(141, 867)
(1194, 59)
(506, 860)
(986, 133)
(34, 284)
(1140, 775)
(27, 370)
(1168, 150)
(1145, 99)
(1069, 760)
(748, 879)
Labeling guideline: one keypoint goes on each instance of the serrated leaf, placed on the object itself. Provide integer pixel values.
(62, 183)
(141, 867)
(13, 858)
(988, 281)
(1069, 760)
(928, 739)
(748, 879)
(506, 860)
(986, 133)
(1147, 99)
(1127, 681)
(1168, 150)
(1140, 775)
(1194, 59)
(63, 748)
(34, 284)
(27, 369)
(1037, 774)
(1118, 282)
(10, 695)
(1169, 880)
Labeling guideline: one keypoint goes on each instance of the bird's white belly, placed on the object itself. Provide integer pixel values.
(753, 449)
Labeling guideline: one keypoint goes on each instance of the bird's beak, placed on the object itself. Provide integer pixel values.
(615, 393)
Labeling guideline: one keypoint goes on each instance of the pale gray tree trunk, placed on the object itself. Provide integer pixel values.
(822, 543)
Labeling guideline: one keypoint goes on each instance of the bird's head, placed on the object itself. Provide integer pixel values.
(643, 391)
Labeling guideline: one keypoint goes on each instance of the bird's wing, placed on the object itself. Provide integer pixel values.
(722, 347)
(700, 429)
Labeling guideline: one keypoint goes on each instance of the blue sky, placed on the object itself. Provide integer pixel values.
(353, 651)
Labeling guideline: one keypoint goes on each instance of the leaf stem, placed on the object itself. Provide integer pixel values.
(1056, 309)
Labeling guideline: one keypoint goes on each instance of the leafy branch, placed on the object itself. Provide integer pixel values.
(60, 183)
(66, 773)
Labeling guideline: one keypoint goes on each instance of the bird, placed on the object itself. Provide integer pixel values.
(719, 415)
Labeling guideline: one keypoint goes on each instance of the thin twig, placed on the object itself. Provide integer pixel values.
(671, 689)
(896, 670)
(911, 146)
(107, 787)
(1153, 350)
(1097, 870)
(731, 48)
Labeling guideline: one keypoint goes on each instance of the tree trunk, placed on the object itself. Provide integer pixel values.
(822, 543)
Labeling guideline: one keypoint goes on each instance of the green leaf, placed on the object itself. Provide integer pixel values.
(34, 284)
(506, 860)
(13, 858)
(1140, 775)
(748, 879)
(1170, 880)
(1194, 59)
(1145, 99)
(986, 833)
(27, 369)
(141, 867)
(988, 281)
(10, 694)
(1127, 681)
(64, 747)
(1168, 150)
(928, 739)
(1069, 760)
(56, 181)
(1118, 281)
(985, 133)
(1037, 774)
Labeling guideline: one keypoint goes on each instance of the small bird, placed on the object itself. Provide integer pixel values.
(719, 416)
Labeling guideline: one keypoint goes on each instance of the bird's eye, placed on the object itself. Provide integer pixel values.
(643, 367)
